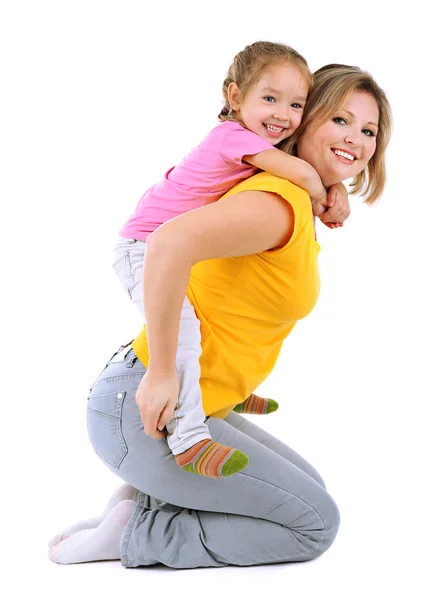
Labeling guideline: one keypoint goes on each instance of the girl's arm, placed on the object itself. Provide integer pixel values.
(339, 205)
(294, 169)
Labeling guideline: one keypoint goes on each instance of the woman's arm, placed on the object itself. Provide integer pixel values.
(242, 224)
(294, 169)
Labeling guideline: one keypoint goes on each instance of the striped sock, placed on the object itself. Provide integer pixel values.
(212, 459)
(256, 405)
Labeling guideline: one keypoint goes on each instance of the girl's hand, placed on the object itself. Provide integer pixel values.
(318, 197)
(156, 398)
(339, 207)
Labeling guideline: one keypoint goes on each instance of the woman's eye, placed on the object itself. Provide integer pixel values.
(339, 120)
(269, 99)
(369, 132)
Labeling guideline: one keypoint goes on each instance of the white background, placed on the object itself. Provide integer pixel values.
(98, 99)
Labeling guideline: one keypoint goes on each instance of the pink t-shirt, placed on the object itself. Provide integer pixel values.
(203, 176)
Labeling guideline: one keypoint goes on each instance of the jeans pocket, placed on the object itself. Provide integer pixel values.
(104, 423)
(120, 262)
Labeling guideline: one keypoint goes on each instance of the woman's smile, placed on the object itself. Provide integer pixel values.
(344, 155)
(342, 146)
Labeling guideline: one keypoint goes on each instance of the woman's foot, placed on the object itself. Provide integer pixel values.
(101, 543)
(124, 492)
(256, 405)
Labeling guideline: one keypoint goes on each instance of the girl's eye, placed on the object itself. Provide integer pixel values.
(296, 105)
(339, 120)
(269, 99)
(368, 132)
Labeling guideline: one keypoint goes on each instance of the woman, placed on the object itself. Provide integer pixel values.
(261, 277)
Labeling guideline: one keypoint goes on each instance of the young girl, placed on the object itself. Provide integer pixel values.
(265, 92)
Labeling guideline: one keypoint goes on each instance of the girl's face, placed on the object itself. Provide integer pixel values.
(273, 108)
(342, 147)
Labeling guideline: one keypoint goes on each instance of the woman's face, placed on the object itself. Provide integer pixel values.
(342, 147)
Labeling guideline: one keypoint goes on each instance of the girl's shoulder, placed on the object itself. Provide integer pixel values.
(223, 129)
(223, 134)
(233, 134)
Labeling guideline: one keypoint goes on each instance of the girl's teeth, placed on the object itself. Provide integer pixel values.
(344, 154)
(274, 129)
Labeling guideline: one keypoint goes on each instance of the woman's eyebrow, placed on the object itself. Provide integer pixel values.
(354, 117)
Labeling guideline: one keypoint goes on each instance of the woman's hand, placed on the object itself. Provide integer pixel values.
(156, 398)
(339, 207)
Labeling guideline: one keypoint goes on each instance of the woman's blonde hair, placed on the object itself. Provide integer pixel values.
(249, 64)
(333, 85)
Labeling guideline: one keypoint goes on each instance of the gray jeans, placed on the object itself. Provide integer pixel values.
(276, 510)
(187, 426)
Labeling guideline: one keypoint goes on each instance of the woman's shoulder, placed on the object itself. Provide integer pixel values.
(265, 182)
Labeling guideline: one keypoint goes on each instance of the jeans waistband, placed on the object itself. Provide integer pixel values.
(127, 240)
(121, 354)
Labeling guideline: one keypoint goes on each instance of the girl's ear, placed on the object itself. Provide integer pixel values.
(234, 96)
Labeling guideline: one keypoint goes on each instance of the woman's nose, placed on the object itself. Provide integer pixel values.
(353, 137)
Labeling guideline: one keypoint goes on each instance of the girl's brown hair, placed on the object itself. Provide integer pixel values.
(333, 85)
(249, 64)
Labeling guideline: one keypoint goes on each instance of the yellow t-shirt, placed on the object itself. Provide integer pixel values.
(248, 305)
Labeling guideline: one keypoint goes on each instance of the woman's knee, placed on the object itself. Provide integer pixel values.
(322, 538)
(333, 521)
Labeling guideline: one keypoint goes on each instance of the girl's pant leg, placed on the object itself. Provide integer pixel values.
(128, 264)
(187, 427)
(270, 512)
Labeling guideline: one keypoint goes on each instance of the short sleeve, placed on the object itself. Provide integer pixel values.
(239, 142)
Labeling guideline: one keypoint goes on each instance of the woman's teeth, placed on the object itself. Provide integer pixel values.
(344, 154)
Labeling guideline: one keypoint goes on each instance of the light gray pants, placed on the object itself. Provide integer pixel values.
(276, 510)
(187, 427)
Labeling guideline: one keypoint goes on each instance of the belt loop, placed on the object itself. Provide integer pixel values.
(121, 354)
(132, 361)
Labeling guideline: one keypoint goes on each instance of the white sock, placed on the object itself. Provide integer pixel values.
(102, 543)
(124, 492)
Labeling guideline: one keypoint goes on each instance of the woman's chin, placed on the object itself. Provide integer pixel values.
(337, 176)
(328, 181)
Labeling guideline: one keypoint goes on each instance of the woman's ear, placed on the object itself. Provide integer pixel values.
(234, 96)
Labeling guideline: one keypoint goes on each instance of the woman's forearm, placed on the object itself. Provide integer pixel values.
(166, 275)
(239, 225)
